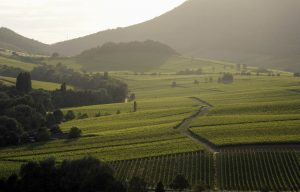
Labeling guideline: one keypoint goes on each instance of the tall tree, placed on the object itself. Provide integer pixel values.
(63, 87)
(106, 75)
(23, 83)
(134, 106)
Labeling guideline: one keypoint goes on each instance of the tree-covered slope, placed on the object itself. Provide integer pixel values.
(136, 56)
(264, 33)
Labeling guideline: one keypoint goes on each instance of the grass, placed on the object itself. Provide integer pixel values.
(245, 133)
(147, 132)
(35, 84)
(69, 62)
(16, 64)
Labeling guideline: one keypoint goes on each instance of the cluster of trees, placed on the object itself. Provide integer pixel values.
(190, 72)
(27, 59)
(25, 116)
(296, 74)
(83, 175)
(9, 71)
(134, 56)
(226, 78)
(22, 118)
(99, 88)
(72, 98)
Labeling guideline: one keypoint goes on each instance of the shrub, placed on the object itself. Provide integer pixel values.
(50, 120)
(55, 130)
(59, 116)
(69, 115)
(74, 133)
(180, 183)
(137, 184)
(98, 114)
(42, 135)
(226, 78)
(82, 116)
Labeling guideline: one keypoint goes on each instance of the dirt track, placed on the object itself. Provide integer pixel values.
(183, 127)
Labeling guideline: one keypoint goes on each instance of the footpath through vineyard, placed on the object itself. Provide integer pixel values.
(183, 127)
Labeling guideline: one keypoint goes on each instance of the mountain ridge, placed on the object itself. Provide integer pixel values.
(9, 39)
(261, 33)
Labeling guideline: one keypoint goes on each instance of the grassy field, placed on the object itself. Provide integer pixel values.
(253, 109)
(35, 84)
(17, 64)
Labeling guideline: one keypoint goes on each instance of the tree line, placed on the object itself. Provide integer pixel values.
(28, 115)
(82, 175)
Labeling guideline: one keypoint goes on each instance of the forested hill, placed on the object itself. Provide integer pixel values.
(254, 32)
(135, 56)
(13, 41)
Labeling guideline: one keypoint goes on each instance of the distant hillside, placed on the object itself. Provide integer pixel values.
(136, 56)
(13, 41)
(255, 32)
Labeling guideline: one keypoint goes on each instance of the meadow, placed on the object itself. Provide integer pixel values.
(10, 81)
(17, 64)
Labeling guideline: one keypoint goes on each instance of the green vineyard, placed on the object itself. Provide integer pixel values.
(252, 170)
(195, 166)
(230, 170)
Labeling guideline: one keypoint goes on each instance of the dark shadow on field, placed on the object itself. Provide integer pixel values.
(180, 86)
(75, 139)
(37, 144)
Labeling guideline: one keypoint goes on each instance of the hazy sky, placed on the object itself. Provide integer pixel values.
(51, 21)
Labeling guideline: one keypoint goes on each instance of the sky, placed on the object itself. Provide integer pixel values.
(51, 21)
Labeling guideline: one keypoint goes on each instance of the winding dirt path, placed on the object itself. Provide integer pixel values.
(183, 128)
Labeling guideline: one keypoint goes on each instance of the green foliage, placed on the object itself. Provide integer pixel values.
(137, 184)
(70, 115)
(74, 133)
(42, 134)
(35, 84)
(10, 131)
(80, 175)
(98, 89)
(58, 115)
(9, 63)
(226, 78)
(23, 83)
(134, 106)
(28, 116)
(135, 56)
(179, 183)
(50, 120)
